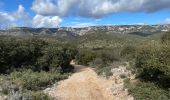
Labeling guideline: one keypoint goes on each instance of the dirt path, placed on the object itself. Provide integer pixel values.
(84, 84)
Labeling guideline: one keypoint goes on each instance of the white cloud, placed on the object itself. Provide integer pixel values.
(46, 21)
(96, 8)
(44, 7)
(6, 20)
(140, 23)
(79, 25)
(9, 19)
(167, 21)
(20, 13)
(6, 17)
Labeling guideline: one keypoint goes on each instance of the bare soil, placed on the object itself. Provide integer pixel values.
(85, 84)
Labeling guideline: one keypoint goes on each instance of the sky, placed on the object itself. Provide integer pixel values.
(82, 13)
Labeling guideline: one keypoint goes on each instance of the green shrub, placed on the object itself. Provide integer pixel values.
(40, 96)
(128, 52)
(26, 85)
(84, 57)
(6, 85)
(96, 57)
(147, 91)
(105, 71)
(27, 95)
(107, 56)
(152, 63)
(56, 58)
(99, 59)
(166, 37)
(35, 54)
(35, 80)
(16, 53)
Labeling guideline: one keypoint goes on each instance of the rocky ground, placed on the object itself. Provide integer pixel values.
(85, 84)
(2, 97)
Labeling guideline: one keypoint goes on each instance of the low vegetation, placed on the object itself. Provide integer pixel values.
(28, 65)
(146, 91)
(32, 64)
(99, 59)
(152, 70)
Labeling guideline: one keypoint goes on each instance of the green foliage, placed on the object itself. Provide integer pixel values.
(96, 57)
(152, 68)
(105, 71)
(166, 37)
(13, 91)
(152, 63)
(28, 84)
(5, 85)
(146, 91)
(84, 57)
(108, 56)
(34, 53)
(32, 64)
(35, 80)
(128, 52)
(47, 57)
(55, 58)
(99, 59)
(17, 53)
(102, 40)
(39, 96)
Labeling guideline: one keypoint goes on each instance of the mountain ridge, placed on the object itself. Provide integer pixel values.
(73, 32)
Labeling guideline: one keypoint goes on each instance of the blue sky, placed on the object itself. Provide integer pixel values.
(80, 13)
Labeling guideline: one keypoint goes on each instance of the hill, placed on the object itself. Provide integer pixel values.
(142, 30)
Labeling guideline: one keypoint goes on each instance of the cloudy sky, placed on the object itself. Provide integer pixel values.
(80, 13)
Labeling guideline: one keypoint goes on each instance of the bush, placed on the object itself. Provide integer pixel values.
(56, 58)
(6, 85)
(14, 92)
(128, 52)
(146, 91)
(96, 57)
(105, 71)
(99, 59)
(152, 63)
(40, 96)
(35, 54)
(84, 57)
(35, 80)
(165, 37)
(107, 56)
(16, 53)
(27, 84)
